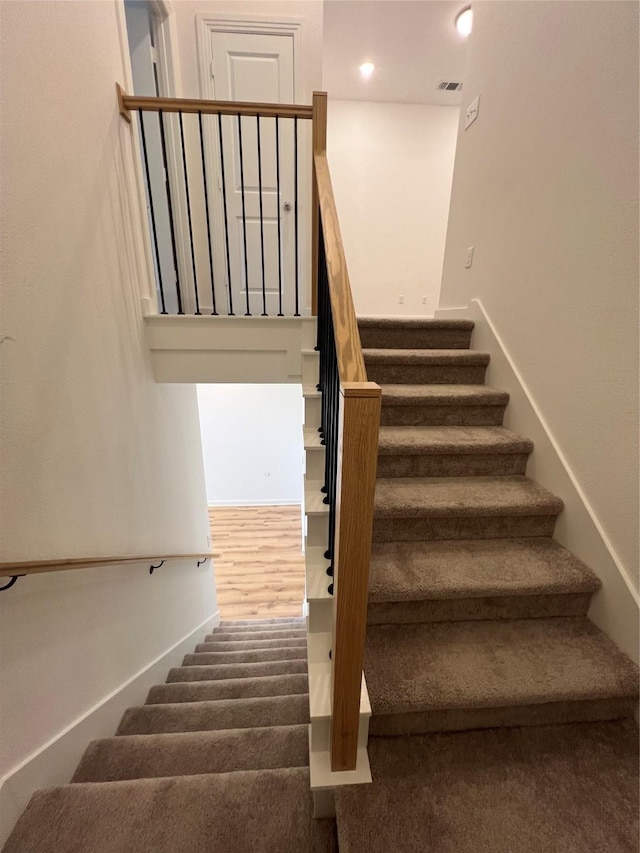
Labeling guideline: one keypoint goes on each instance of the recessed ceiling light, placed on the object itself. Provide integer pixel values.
(464, 21)
(367, 69)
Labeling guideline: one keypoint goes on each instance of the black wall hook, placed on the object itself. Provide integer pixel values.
(200, 562)
(13, 580)
(151, 568)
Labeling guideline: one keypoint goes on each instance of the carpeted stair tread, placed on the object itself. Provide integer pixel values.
(483, 664)
(425, 356)
(220, 714)
(406, 497)
(232, 688)
(246, 656)
(437, 395)
(410, 571)
(258, 624)
(191, 753)
(243, 812)
(212, 672)
(450, 439)
(548, 789)
(216, 645)
(238, 636)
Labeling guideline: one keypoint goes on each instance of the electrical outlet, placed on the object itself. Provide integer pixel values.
(471, 113)
(469, 260)
(401, 299)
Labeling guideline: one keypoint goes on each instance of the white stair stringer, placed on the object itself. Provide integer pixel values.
(319, 608)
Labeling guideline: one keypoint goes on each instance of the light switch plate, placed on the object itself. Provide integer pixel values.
(471, 113)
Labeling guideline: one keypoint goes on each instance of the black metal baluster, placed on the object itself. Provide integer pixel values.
(152, 213)
(244, 218)
(226, 220)
(264, 291)
(170, 206)
(206, 211)
(280, 314)
(295, 150)
(186, 192)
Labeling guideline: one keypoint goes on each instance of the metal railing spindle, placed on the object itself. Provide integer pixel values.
(244, 217)
(163, 142)
(206, 213)
(152, 215)
(188, 199)
(226, 215)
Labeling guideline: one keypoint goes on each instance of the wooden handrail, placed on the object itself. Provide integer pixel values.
(348, 346)
(126, 103)
(356, 465)
(33, 567)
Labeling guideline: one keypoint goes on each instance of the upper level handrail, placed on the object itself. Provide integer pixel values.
(32, 567)
(126, 103)
(348, 347)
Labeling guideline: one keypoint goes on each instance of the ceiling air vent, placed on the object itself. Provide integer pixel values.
(449, 85)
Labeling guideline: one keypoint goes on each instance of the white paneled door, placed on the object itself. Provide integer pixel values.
(255, 219)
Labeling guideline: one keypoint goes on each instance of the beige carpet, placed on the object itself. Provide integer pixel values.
(216, 762)
(556, 789)
(489, 686)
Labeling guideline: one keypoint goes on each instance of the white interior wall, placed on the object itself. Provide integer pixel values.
(391, 167)
(97, 459)
(546, 189)
(252, 443)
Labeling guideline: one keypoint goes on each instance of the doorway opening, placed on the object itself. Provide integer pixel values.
(252, 450)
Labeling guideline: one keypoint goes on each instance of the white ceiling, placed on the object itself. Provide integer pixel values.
(413, 43)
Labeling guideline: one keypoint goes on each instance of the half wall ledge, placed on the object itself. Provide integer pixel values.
(230, 349)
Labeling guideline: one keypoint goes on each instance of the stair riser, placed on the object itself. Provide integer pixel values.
(452, 527)
(259, 627)
(317, 530)
(312, 411)
(259, 656)
(442, 415)
(427, 374)
(250, 645)
(237, 688)
(241, 636)
(462, 610)
(461, 719)
(315, 464)
(452, 465)
(158, 719)
(255, 670)
(259, 624)
(117, 759)
(408, 339)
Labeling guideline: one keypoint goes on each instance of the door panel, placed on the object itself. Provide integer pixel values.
(257, 68)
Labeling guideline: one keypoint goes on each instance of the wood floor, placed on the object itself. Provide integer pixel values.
(260, 570)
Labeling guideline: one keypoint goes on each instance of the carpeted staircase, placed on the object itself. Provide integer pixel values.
(502, 717)
(216, 761)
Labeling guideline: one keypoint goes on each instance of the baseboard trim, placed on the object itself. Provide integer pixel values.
(55, 761)
(283, 502)
(615, 607)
